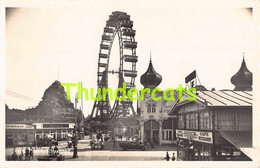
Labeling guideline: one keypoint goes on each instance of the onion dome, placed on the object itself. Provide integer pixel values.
(242, 79)
(200, 88)
(151, 79)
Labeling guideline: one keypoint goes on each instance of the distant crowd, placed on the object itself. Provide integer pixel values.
(26, 154)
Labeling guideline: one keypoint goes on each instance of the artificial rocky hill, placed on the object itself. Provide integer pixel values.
(54, 107)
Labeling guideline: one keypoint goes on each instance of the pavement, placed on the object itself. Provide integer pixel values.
(157, 153)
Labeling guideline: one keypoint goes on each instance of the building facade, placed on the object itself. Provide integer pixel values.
(218, 124)
(27, 134)
(58, 131)
(19, 135)
(156, 126)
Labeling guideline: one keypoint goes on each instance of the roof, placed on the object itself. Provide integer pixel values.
(240, 139)
(243, 78)
(151, 77)
(222, 98)
(225, 98)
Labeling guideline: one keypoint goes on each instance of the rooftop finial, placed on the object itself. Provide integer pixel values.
(150, 56)
(243, 56)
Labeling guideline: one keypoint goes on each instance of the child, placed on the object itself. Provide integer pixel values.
(173, 156)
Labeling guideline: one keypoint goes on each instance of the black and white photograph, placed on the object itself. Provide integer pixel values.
(159, 83)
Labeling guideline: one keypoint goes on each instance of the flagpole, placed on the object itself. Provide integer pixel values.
(76, 100)
(81, 98)
(82, 107)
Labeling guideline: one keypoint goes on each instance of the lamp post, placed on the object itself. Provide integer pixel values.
(75, 151)
(35, 142)
(22, 139)
(75, 148)
(14, 144)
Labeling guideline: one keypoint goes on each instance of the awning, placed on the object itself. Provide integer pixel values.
(251, 152)
(241, 140)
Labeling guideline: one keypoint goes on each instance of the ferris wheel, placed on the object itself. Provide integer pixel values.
(118, 24)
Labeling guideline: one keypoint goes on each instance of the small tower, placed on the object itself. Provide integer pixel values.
(242, 79)
(151, 79)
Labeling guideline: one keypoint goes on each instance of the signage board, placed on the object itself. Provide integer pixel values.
(199, 136)
(19, 126)
(190, 76)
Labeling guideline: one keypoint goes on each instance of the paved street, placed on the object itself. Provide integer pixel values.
(108, 154)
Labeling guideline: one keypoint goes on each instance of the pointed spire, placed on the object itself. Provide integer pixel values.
(150, 56)
(243, 57)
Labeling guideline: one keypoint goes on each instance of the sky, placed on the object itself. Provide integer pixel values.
(62, 43)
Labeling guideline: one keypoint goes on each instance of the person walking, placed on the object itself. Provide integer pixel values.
(21, 153)
(114, 146)
(50, 152)
(31, 153)
(173, 156)
(167, 156)
(56, 150)
(27, 153)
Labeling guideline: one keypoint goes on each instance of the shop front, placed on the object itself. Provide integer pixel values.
(194, 145)
(19, 135)
(58, 131)
(207, 146)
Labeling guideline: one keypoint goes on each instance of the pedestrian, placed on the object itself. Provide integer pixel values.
(40, 142)
(114, 146)
(20, 158)
(173, 156)
(69, 143)
(50, 151)
(146, 145)
(31, 153)
(21, 154)
(56, 150)
(152, 144)
(167, 156)
(27, 153)
(14, 156)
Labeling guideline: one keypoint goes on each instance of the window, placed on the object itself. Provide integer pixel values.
(149, 108)
(167, 135)
(181, 121)
(162, 135)
(192, 121)
(233, 120)
(206, 120)
(243, 120)
(170, 135)
(153, 108)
